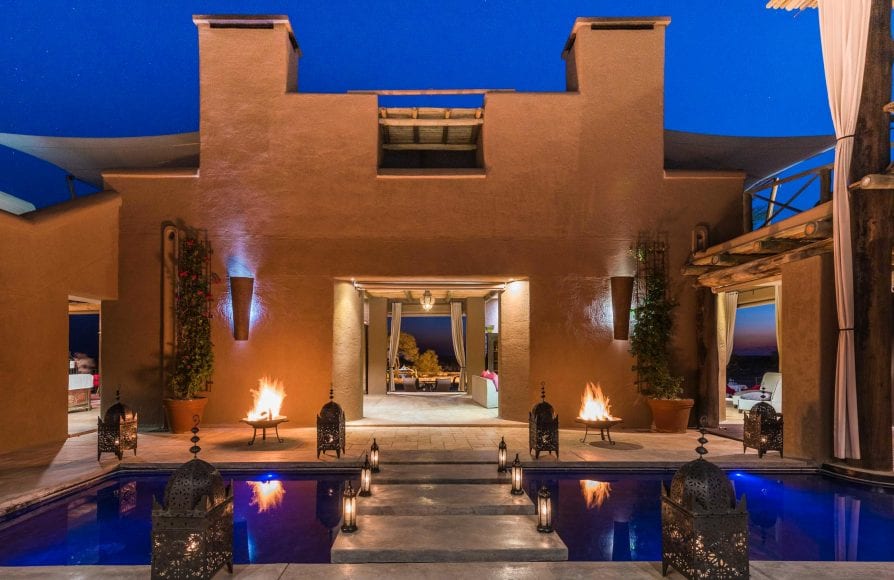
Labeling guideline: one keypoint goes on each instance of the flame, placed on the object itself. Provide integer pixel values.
(594, 406)
(595, 492)
(268, 400)
(266, 494)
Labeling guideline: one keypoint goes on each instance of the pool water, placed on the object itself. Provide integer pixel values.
(276, 519)
(616, 517)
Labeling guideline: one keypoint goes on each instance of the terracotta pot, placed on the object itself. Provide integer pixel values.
(180, 413)
(670, 415)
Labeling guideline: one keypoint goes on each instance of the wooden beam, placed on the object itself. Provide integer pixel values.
(727, 259)
(431, 122)
(762, 267)
(877, 181)
(430, 146)
(872, 213)
(410, 92)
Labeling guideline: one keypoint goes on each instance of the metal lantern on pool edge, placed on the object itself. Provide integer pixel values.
(544, 511)
(543, 426)
(349, 510)
(516, 476)
(374, 456)
(501, 456)
(365, 479)
(192, 530)
(331, 427)
(762, 429)
(117, 431)
(704, 530)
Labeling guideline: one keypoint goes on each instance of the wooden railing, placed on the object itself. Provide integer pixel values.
(772, 197)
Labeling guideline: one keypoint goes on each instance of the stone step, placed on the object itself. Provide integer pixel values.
(443, 499)
(439, 473)
(447, 539)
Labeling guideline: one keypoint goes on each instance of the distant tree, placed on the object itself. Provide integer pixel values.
(407, 349)
(427, 363)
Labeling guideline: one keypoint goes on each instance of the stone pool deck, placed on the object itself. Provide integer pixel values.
(26, 476)
(479, 570)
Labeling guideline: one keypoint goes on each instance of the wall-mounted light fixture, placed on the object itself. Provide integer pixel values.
(427, 301)
(622, 295)
(241, 291)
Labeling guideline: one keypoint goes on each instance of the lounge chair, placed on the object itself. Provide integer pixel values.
(442, 385)
(410, 384)
(770, 391)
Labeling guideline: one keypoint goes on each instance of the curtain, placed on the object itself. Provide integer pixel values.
(727, 303)
(777, 291)
(393, 342)
(459, 349)
(844, 30)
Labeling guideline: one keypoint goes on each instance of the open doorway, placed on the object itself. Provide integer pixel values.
(83, 365)
(753, 363)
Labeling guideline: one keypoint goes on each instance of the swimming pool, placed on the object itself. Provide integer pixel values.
(600, 516)
(616, 517)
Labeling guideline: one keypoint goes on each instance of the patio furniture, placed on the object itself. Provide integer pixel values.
(484, 392)
(409, 384)
(763, 429)
(79, 387)
(771, 391)
(442, 385)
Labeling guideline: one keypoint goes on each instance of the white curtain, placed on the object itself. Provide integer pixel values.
(393, 342)
(459, 349)
(727, 302)
(777, 291)
(844, 30)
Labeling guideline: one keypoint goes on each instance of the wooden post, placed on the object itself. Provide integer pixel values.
(747, 213)
(706, 328)
(825, 185)
(872, 213)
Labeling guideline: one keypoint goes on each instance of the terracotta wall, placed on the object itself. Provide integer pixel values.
(288, 185)
(46, 256)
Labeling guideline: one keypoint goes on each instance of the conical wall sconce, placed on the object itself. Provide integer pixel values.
(241, 291)
(622, 295)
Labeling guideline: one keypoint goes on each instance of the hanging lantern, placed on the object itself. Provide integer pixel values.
(365, 479)
(427, 301)
(331, 427)
(704, 529)
(544, 511)
(501, 456)
(192, 530)
(349, 510)
(117, 431)
(374, 456)
(543, 427)
(517, 477)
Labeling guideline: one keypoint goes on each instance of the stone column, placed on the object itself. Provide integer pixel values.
(347, 353)
(514, 354)
(474, 336)
(377, 337)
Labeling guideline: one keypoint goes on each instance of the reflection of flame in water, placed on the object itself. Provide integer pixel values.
(268, 399)
(595, 492)
(594, 405)
(266, 494)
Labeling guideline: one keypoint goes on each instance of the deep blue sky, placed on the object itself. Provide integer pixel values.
(101, 68)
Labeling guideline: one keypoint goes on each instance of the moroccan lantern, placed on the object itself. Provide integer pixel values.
(762, 429)
(543, 426)
(374, 456)
(331, 427)
(501, 456)
(349, 510)
(516, 472)
(117, 431)
(365, 478)
(544, 511)
(192, 530)
(704, 529)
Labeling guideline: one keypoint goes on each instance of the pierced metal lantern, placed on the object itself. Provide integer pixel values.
(331, 427)
(349, 510)
(501, 456)
(704, 530)
(117, 431)
(192, 530)
(517, 476)
(374, 456)
(543, 426)
(763, 429)
(365, 479)
(544, 511)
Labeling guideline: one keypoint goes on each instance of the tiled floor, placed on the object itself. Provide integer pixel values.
(82, 421)
(426, 409)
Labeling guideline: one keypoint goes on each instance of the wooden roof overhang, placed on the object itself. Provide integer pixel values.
(757, 256)
(792, 4)
(430, 129)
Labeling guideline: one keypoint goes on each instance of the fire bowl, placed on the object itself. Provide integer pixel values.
(263, 425)
(604, 426)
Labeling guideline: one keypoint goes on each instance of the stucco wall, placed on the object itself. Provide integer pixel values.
(809, 334)
(288, 185)
(46, 256)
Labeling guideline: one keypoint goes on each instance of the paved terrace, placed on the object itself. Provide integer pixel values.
(27, 476)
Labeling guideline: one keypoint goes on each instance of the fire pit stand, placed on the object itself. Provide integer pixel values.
(263, 425)
(605, 428)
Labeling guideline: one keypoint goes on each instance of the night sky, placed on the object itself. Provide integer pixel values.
(96, 68)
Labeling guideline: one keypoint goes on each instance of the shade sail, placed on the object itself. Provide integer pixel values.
(86, 157)
(758, 157)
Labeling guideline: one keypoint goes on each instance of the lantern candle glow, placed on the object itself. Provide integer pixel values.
(501, 456)
(517, 477)
(349, 510)
(365, 479)
(544, 511)
(374, 457)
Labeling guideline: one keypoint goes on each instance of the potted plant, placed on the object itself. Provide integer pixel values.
(194, 355)
(649, 344)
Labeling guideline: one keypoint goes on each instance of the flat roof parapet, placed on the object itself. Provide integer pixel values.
(248, 21)
(613, 23)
